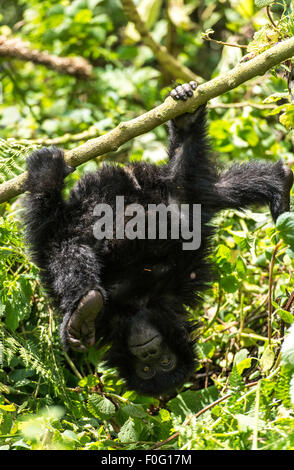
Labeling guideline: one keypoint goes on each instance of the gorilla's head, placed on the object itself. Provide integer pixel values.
(152, 352)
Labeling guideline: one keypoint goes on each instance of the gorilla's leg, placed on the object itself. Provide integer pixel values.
(256, 183)
(240, 186)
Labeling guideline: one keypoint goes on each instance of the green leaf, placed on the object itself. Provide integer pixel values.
(90, 381)
(241, 361)
(287, 118)
(245, 364)
(134, 411)
(241, 267)
(191, 401)
(130, 431)
(285, 226)
(241, 355)
(267, 359)
(263, 3)
(229, 283)
(100, 407)
(287, 317)
(10, 408)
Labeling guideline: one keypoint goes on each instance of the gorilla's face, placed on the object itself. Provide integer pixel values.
(153, 362)
(152, 355)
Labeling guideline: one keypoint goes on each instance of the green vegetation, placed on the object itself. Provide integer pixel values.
(242, 393)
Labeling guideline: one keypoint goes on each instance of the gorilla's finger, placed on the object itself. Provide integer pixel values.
(174, 95)
(187, 89)
(181, 92)
(76, 344)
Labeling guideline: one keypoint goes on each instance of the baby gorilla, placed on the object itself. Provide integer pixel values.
(134, 294)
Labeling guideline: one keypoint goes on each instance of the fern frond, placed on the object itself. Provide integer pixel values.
(12, 157)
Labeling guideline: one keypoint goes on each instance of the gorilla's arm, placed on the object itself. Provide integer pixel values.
(70, 270)
(75, 273)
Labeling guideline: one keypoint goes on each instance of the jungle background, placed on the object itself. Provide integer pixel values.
(241, 395)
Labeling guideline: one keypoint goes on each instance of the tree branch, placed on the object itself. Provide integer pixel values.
(170, 109)
(15, 47)
(168, 62)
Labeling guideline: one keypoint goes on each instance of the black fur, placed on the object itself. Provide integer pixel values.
(151, 279)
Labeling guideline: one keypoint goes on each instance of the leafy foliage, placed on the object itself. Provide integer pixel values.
(241, 395)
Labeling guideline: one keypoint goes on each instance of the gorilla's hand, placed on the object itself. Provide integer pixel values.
(80, 329)
(184, 92)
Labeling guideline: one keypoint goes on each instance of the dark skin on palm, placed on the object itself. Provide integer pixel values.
(133, 294)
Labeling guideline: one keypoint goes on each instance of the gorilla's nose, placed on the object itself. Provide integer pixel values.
(149, 351)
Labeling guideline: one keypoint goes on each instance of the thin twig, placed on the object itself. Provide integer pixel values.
(268, 12)
(207, 37)
(270, 291)
(75, 370)
(242, 104)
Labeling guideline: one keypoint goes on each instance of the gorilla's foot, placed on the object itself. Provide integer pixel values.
(81, 326)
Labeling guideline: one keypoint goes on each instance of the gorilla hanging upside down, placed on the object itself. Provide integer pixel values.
(133, 294)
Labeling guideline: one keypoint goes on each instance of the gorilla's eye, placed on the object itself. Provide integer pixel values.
(145, 371)
(167, 363)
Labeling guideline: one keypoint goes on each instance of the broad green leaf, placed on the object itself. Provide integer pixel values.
(134, 411)
(130, 431)
(267, 359)
(285, 226)
(89, 381)
(241, 267)
(192, 401)
(100, 407)
(245, 364)
(287, 317)
(263, 3)
(8, 407)
(275, 97)
(241, 361)
(287, 118)
(229, 283)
